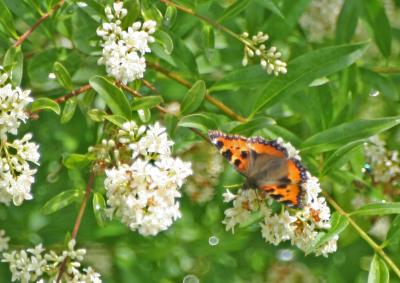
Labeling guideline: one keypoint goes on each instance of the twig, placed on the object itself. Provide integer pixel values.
(22, 38)
(209, 98)
(364, 235)
(74, 93)
(78, 220)
(138, 94)
(209, 21)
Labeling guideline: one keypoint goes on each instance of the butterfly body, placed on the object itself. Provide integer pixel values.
(265, 164)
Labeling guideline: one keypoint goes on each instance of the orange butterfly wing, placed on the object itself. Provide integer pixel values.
(291, 192)
(237, 150)
(233, 148)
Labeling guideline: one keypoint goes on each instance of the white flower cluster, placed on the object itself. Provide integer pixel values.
(319, 20)
(269, 58)
(16, 175)
(124, 50)
(207, 168)
(142, 190)
(35, 265)
(300, 226)
(3, 241)
(383, 164)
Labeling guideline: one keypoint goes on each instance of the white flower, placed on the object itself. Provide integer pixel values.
(269, 59)
(35, 265)
(124, 50)
(143, 192)
(16, 175)
(3, 241)
(383, 164)
(12, 108)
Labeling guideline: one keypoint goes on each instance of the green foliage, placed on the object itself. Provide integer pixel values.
(339, 91)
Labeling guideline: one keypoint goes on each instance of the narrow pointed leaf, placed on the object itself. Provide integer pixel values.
(347, 132)
(112, 95)
(69, 110)
(63, 76)
(62, 200)
(193, 98)
(146, 102)
(43, 103)
(305, 69)
(201, 122)
(382, 208)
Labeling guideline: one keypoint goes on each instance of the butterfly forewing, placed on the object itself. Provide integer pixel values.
(233, 148)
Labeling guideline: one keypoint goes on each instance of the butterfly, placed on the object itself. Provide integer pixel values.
(265, 164)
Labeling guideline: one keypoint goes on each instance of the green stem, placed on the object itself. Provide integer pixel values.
(211, 22)
(378, 249)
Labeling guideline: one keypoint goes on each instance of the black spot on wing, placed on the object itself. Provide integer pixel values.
(277, 196)
(237, 162)
(219, 144)
(243, 154)
(227, 154)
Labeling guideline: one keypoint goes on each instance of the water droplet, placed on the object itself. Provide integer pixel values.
(98, 207)
(190, 279)
(52, 76)
(374, 92)
(366, 168)
(213, 240)
(285, 255)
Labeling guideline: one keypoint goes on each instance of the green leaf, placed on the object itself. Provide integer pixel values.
(385, 275)
(252, 126)
(99, 205)
(234, 10)
(375, 16)
(45, 103)
(115, 119)
(275, 131)
(280, 26)
(112, 95)
(144, 115)
(194, 97)
(7, 20)
(146, 102)
(62, 200)
(133, 6)
(393, 235)
(247, 77)
(76, 161)
(338, 224)
(150, 11)
(165, 40)
(335, 137)
(169, 17)
(14, 59)
(270, 5)
(69, 110)
(96, 115)
(341, 156)
(201, 122)
(207, 36)
(381, 83)
(305, 69)
(382, 208)
(374, 270)
(63, 76)
(347, 21)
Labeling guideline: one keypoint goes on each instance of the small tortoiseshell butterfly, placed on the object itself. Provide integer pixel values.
(265, 164)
